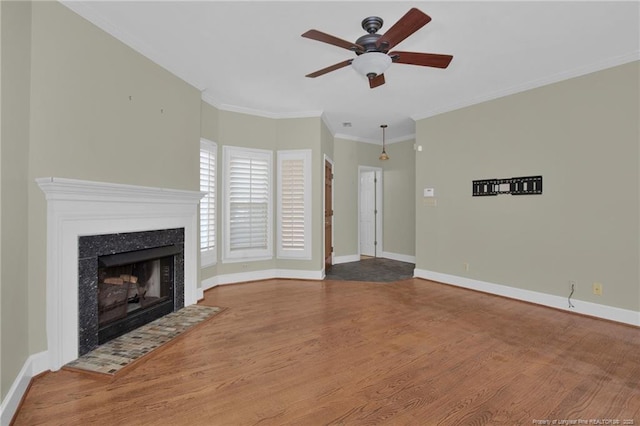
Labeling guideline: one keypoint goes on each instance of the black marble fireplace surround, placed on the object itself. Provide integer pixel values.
(90, 248)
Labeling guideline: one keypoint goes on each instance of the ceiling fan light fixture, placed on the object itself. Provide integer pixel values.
(371, 64)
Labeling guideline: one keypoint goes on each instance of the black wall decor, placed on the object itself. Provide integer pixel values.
(527, 185)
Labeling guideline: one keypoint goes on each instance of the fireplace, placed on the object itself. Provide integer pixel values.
(77, 209)
(126, 280)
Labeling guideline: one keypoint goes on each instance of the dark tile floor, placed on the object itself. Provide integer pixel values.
(375, 269)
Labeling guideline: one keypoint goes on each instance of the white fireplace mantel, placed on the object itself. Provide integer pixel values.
(77, 208)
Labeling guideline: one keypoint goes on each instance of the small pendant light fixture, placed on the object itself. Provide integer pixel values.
(384, 155)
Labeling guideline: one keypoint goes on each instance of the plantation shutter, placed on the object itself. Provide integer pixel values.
(248, 196)
(292, 213)
(208, 153)
(294, 204)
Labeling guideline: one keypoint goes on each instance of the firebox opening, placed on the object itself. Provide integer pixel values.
(123, 290)
(134, 288)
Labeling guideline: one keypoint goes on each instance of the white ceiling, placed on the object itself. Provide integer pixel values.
(248, 56)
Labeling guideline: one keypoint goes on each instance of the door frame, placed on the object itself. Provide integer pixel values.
(327, 159)
(379, 193)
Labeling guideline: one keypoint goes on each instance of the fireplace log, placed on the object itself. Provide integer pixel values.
(124, 278)
(129, 278)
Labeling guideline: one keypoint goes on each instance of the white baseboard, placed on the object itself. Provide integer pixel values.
(346, 259)
(296, 274)
(266, 274)
(399, 257)
(35, 364)
(558, 302)
(208, 283)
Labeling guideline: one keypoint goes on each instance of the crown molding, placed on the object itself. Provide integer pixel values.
(208, 98)
(403, 138)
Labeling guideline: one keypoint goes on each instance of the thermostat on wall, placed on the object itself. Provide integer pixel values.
(428, 192)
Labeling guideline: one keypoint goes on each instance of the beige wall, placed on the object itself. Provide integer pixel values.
(398, 199)
(582, 136)
(399, 179)
(348, 156)
(209, 122)
(15, 25)
(99, 111)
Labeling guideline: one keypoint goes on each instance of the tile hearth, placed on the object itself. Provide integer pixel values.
(116, 354)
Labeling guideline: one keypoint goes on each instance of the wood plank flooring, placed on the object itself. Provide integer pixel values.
(414, 352)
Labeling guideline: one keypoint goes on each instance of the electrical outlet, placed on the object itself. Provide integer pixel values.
(466, 266)
(572, 285)
(597, 289)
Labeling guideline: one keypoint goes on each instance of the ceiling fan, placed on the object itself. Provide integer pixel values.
(372, 49)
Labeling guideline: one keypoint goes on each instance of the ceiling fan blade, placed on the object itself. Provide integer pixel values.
(376, 81)
(330, 68)
(411, 22)
(328, 38)
(423, 59)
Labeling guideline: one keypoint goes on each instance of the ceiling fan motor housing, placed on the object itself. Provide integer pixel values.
(369, 43)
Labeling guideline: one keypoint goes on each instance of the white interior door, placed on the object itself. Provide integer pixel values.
(367, 213)
(370, 211)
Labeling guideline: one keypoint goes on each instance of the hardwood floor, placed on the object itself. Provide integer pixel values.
(335, 352)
